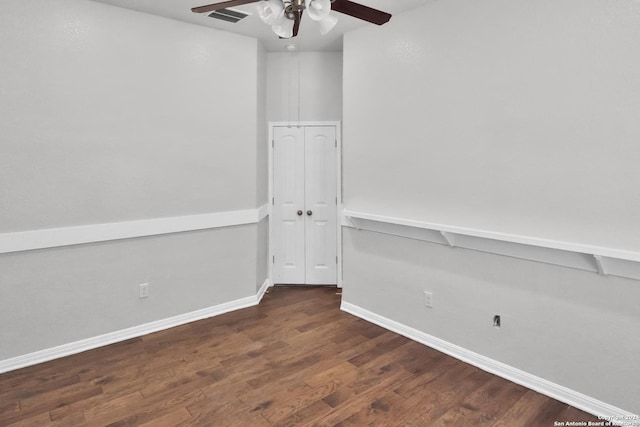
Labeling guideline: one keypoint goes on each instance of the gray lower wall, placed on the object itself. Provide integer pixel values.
(262, 258)
(571, 327)
(58, 296)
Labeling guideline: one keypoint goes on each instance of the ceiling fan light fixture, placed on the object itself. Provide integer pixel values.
(318, 9)
(283, 27)
(284, 16)
(270, 10)
(327, 24)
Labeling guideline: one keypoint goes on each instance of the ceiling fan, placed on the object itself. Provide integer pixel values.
(284, 16)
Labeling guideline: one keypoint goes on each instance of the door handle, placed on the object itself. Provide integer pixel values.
(299, 213)
(309, 213)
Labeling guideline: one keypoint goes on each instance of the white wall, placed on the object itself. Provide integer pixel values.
(262, 178)
(262, 130)
(111, 115)
(304, 86)
(512, 116)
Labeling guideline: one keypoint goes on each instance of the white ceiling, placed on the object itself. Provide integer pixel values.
(309, 38)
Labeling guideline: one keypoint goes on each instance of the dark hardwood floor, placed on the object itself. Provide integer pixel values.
(294, 360)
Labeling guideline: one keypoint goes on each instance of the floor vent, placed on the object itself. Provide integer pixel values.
(228, 15)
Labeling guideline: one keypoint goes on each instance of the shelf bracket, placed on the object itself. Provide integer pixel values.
(450, 238)
(352, 222)
(600, 264)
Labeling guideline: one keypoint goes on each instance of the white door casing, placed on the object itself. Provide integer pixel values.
(305, 205)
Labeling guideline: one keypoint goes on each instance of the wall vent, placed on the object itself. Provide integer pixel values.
(228, 15)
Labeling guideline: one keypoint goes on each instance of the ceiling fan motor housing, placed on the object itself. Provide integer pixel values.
(293, 8)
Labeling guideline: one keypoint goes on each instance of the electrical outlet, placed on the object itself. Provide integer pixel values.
(428, 299)
(144, 290)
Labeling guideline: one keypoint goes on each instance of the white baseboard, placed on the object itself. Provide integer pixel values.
(548, 388)
(263, 289)
(125, 334)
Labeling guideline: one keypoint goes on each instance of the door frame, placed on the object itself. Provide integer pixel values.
(270, 143)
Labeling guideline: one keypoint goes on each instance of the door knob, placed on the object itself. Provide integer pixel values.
(309, 213)
(299, 213)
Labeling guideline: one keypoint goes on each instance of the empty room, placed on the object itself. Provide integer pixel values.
(319, 212)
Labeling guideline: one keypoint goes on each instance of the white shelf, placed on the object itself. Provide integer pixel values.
(78, 235)
(602, 260)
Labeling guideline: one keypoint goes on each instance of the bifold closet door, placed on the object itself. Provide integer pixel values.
(305, 205)
(321, 205)
(288, 206)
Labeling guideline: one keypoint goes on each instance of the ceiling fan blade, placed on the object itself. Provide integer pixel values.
(360, 11)
(223, 5)
(296, 23)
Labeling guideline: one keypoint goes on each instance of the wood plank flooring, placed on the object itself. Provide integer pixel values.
(294, 360)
